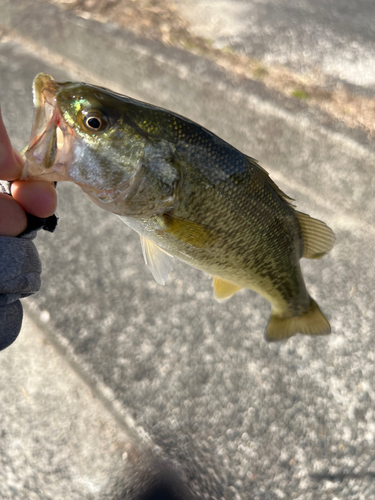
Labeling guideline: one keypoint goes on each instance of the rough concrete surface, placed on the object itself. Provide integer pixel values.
(56, 440)
(331, 36)
(235, 417)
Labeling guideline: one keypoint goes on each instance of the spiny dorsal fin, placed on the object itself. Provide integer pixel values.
(159, 261)
(264, 175)
(223, 289)
(318, 238)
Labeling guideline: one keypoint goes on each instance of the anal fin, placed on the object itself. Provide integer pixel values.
(223, 289)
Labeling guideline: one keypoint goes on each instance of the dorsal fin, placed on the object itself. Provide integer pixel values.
(223, 289)
(159, 261)
(318, 238)
(264, 175)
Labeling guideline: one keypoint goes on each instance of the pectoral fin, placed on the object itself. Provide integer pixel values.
(223, 289)
(159, 261)
(189, 232)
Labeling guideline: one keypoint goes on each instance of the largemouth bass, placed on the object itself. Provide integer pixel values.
(188, 193)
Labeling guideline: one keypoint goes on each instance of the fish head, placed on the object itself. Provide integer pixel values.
(80, 133)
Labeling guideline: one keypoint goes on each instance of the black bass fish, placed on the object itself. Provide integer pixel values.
(188, 193)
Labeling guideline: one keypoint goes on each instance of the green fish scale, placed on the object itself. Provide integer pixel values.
(258, 228)
(259, 238)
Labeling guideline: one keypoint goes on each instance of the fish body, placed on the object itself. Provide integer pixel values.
(188, 193)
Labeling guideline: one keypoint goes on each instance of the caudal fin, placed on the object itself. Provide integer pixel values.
(312, 322)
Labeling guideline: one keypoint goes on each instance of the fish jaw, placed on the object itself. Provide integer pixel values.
(50, 147)
(58, 150)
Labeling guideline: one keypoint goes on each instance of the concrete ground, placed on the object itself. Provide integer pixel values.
(57, 440)
(190, 401)
(332, 37)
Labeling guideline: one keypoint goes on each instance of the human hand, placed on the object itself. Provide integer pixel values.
(20, 266)
(38, 198)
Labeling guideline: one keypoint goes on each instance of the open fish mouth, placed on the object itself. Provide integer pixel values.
(50, 146)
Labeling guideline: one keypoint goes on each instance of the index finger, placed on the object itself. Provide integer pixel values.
(10, 161)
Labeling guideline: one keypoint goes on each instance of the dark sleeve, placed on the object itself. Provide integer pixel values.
(20, 270)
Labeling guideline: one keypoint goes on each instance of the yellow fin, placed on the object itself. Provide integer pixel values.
(159, 261)
(223, 289)
(312, 322)
(189, 232)
(318, 238)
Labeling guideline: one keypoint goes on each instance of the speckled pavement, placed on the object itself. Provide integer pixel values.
(227, 415)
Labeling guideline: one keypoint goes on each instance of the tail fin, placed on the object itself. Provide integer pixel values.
(311, 322)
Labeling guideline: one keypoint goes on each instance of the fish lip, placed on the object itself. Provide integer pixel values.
(46, 158)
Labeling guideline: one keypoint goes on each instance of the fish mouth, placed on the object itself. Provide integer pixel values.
(50, 146)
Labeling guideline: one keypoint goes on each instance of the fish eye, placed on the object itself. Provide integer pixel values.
(95, 122)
